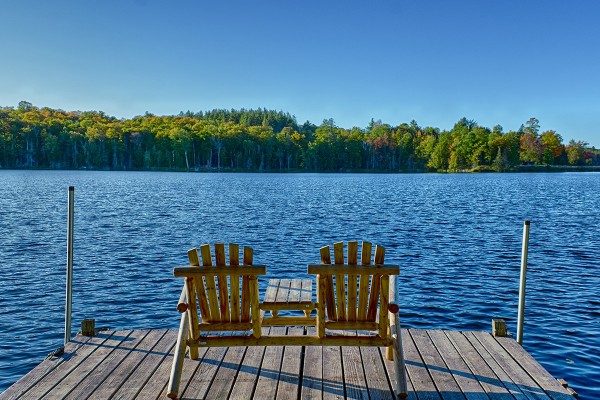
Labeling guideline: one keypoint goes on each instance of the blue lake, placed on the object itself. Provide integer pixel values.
(456, 237)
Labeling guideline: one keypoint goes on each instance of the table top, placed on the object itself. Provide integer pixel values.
(289, 294)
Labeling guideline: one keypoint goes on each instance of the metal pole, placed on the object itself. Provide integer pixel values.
(523, 282)
(68, 296)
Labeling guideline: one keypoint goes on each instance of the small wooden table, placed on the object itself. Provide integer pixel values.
(289, 295)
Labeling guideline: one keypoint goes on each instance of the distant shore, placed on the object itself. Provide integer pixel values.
(479, 169)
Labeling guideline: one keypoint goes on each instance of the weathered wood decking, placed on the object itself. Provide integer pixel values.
(440, 364)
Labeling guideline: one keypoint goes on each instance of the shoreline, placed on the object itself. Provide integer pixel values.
(477, 170)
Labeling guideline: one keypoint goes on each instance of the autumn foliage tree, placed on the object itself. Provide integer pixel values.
(267, 140)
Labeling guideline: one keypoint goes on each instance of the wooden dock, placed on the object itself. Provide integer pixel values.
(440, 365)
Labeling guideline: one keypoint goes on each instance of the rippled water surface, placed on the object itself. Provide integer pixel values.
(456, 237)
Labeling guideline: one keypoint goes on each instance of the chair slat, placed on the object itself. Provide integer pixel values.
(271, 292)
(363, 287)
(255, 310)
(248, 256)
(383, 306)
(329, 294)
(379, 255)
(245, 317)
(295, 291)
(321, 295)
(325, 255)
(352, 259)
(306, 294)
(211, 288)
(352, 253)
(234, 254)
(199, 284)
(220, 254)
(338, 252)
(283, 291)
(192, 309)
(340, 282)
(223, 286)
(248, 259)
(234, 260)
(375, 285)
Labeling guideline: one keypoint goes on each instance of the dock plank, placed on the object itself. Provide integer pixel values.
(417, 370)
(439, 371)
(266, 386)
(518, 375)
(355, 383)
(226, 374)
(464, 377)
(98, 345)
(390, 370)
(439, 364)
(245, 383)
(333, 379)
(287, 388)
(200, 382)
(377, 380)
(120, 374)
(158, 381)
(489, 381)
(140, 376)
(106, 369)
(312, 380)
(376, 376)
(542, 377)
(508, 383)
(44, 368)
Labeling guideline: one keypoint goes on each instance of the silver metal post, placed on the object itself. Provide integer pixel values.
(523, 282)
(68, 297)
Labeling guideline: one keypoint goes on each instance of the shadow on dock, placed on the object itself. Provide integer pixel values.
(439, 364)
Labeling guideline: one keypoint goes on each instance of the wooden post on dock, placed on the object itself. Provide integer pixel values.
(68, 297)
(499, 327)
(88, 327)
(523, 281)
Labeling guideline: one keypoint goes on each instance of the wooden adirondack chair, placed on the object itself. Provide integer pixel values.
(353, 296)
(208, 304)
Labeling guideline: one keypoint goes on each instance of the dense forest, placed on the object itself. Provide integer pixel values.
(267, 140)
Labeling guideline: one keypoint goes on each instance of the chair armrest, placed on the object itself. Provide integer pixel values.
(182, 304)
(226, 270)
(374, 269)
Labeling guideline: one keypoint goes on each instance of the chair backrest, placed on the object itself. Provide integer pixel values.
(354, 291)
(223, 292)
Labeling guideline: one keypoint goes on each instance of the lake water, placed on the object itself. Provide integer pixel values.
(456, 237)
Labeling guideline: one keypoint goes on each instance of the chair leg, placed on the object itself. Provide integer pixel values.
(389, 351)
(401, 383)
(178, 357)
(194, 354)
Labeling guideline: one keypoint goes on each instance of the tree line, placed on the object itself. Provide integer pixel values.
(268, 140)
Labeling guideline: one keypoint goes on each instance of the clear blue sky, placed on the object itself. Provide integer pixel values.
(497, 62)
